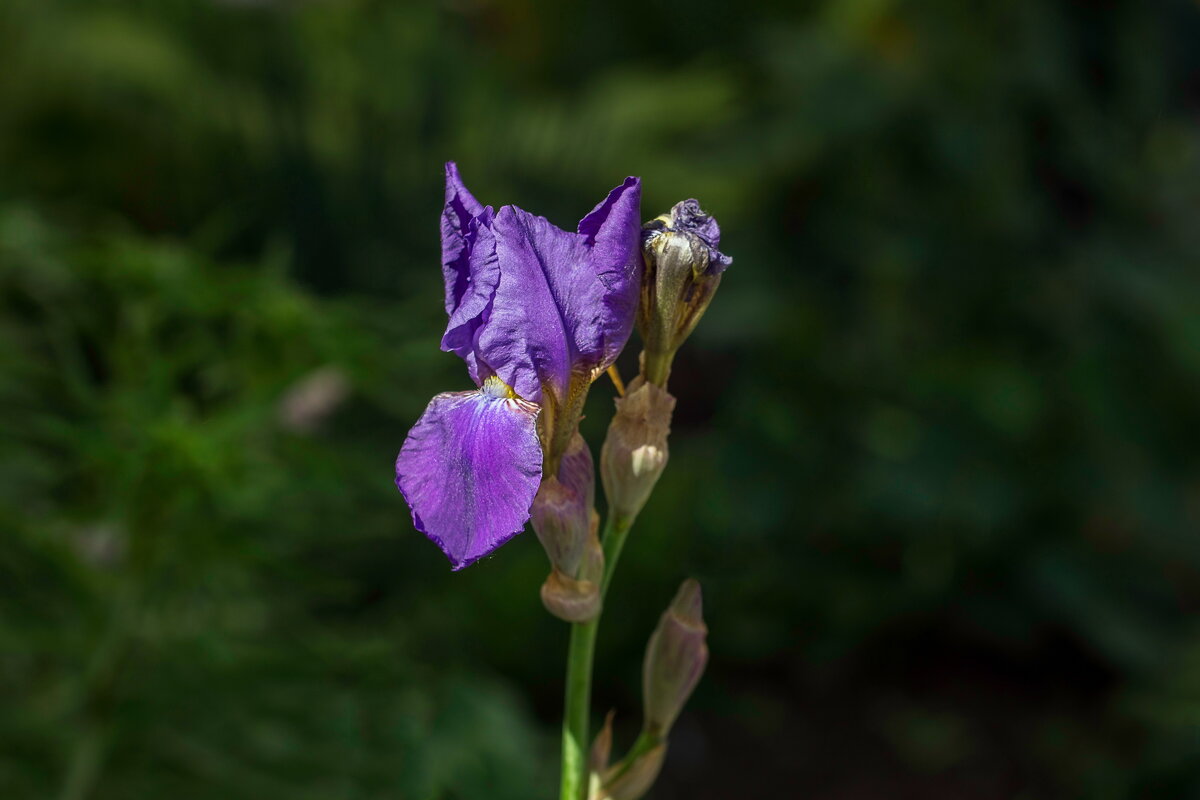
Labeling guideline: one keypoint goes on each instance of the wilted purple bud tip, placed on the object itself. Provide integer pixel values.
(689, 218)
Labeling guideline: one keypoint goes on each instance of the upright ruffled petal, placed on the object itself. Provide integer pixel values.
(612, 217)
(469, 470)
(527, 338)
(565, 301)
(471, 306)
(460, 208)
(613, 231)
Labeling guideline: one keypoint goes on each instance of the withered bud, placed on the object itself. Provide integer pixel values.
(683, 270)
(571, 600)
(635, 452)
(578, 599)
(675, 659)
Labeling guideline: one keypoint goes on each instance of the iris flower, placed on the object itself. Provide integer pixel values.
(537, 313)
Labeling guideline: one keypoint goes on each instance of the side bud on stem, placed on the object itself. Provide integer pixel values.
(635, 451)
(675, 659)
(565, 523)
(683, 270)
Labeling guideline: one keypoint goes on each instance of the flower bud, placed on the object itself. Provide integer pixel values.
(635, 451)
(683, 270)
(565, 522)
(562, 509)
(675, 659)
(559, 519)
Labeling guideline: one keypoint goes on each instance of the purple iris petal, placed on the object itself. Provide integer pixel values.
(531, 302)
(461, 207)
(473, 299)
(469, 470)
(613, 230)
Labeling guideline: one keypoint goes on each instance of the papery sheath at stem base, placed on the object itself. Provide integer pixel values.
(632, 777)
(635, 451)
(570, 600)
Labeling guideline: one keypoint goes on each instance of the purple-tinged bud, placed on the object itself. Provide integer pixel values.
(562, 509)
(635, 451)
(565, 522)
(683, 270)
(675, 659)
(560, 521)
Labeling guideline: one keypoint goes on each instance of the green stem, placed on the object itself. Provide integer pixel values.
(575, 717)
(656, 366)
(580, 653)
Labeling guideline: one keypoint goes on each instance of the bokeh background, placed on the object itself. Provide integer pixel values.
(934, 459)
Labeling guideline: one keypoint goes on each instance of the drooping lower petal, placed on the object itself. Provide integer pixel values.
(469, 470)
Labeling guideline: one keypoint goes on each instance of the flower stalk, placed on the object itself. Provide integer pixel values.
(580, 653)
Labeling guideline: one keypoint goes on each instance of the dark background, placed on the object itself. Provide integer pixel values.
(934, 459)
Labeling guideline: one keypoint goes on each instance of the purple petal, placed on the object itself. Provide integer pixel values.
(613, 229)
(460, 208)
(564, 300)
(527, 338)
(469, 470)
(471, 306)
(616, 217)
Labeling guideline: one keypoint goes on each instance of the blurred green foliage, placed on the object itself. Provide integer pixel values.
(934, 456)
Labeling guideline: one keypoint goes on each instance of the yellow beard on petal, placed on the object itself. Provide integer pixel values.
(498, 388)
